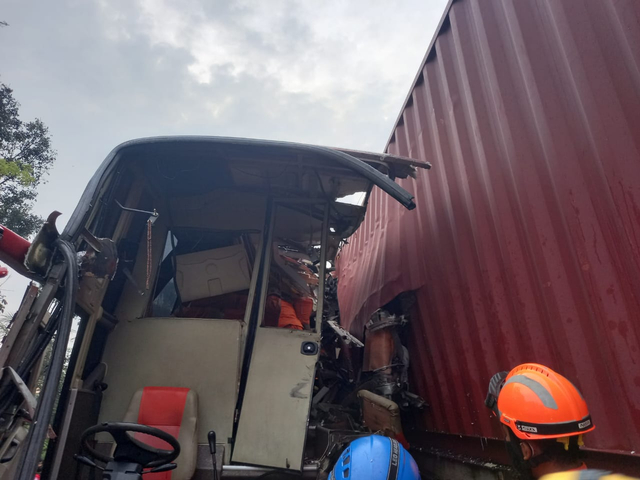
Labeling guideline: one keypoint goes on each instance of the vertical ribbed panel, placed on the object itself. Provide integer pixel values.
(525, 244)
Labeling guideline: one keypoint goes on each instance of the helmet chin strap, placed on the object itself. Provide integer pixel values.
(536, 460)
(522, 466)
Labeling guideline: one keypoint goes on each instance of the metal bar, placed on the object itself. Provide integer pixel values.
(244, 471)
(254, 320)
(323, 268)
(125, 219)
(135, 210)
(87, 338)
(38, 430)
(30, 400)
(267, 252)
(64, 432)
(248, 468)
(255, 273)
(17, 322)
(127, 273)
(91, 240)
(35, 315)
(385, 158)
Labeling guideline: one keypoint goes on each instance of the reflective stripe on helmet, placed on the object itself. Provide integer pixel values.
(394, 460)
(579, 392)
(554, 428)
(543, 394)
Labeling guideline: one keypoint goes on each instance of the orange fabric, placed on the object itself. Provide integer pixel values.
(271, 311)
(288, 318)
(536, 394)
(304, 309)
(162, 408)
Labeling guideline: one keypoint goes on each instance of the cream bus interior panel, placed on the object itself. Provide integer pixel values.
(200, 354)
(277, 399)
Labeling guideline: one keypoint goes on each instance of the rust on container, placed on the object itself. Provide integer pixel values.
(378, 351)
(525, 243)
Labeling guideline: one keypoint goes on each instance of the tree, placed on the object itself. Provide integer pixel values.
(25, 157)
(5, 320)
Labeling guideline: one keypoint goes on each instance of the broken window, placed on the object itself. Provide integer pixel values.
(294, 278)
(356, 198)
(204, 274)
(165, 295)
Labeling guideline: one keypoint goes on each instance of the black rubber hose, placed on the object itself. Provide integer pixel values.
(46, 402)
(40, 344)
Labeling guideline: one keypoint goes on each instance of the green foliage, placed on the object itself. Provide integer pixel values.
(25, 158)
(5, 319)
(22, 173)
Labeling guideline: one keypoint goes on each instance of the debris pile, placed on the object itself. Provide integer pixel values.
(361, 387)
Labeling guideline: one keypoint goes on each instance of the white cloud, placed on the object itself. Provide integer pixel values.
(324, 49)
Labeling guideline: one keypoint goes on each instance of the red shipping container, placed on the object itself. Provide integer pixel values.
(525, 244)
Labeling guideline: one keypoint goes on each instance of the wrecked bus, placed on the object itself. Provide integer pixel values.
(198, 271)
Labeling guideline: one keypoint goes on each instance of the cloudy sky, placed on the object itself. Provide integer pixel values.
(100, 72)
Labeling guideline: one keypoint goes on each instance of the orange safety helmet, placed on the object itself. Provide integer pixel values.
(537, 403)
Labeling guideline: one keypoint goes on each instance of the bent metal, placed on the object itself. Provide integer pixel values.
(197, 272)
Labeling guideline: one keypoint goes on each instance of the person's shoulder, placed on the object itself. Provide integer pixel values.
(587, 475)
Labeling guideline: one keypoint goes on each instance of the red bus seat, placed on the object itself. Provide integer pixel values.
(175, 411)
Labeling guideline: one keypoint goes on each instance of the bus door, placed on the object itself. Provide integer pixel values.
(275, 404)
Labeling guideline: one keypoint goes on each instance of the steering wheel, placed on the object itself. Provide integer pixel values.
(129, 449)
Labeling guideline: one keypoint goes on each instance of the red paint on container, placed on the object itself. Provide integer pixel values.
(525, 243)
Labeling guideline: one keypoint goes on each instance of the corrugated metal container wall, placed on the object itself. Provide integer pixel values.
(525, 245)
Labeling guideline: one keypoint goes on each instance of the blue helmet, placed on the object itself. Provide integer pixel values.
(375, 458)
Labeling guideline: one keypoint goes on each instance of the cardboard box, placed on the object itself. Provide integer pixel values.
(212, 272)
